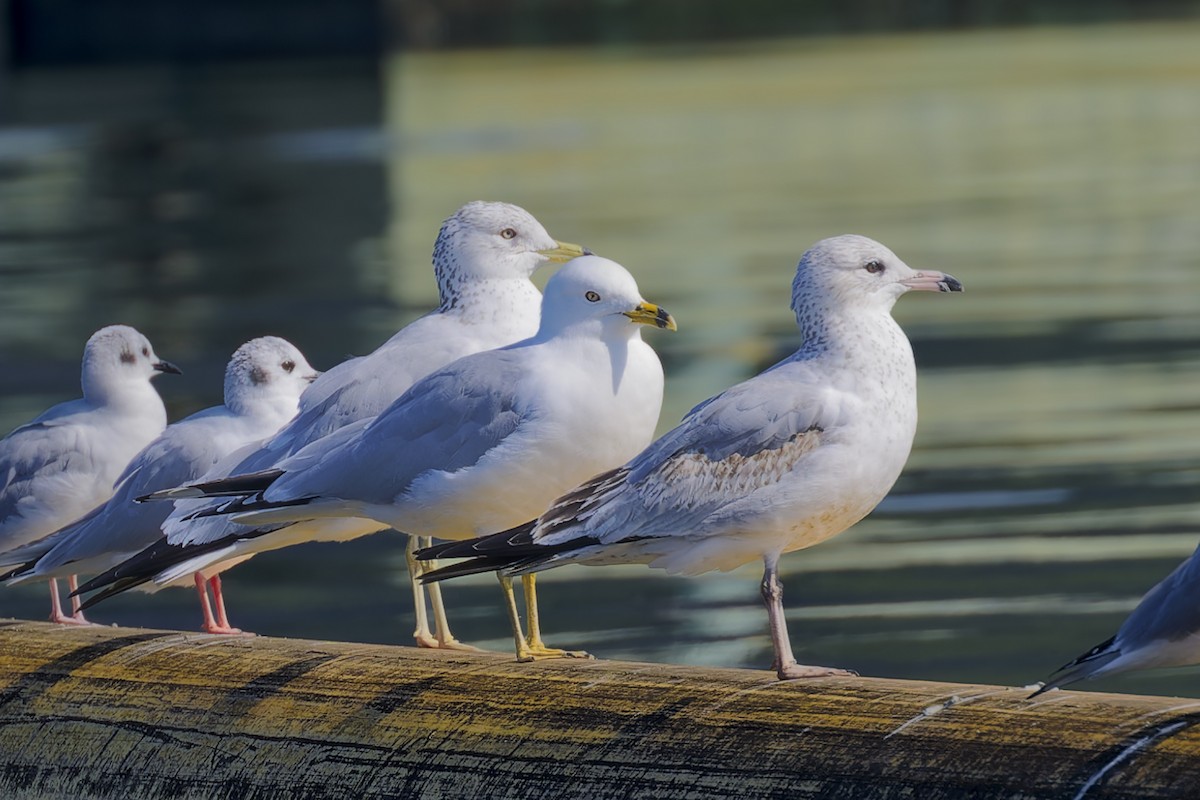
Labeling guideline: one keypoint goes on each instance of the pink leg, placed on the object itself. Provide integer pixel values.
(76, 602)
(210, 624)
(219, 601)
(56, 611)
(785, 665)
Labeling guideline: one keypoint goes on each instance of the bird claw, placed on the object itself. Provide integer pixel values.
(226, 630)
(431, 642)
(793, 672)
(539, 652)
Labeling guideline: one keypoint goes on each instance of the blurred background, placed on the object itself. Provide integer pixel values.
(210, 172)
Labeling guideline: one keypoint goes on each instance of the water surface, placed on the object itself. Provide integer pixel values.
(1054, 172)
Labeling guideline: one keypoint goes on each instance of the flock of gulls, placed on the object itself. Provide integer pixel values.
(514, 428)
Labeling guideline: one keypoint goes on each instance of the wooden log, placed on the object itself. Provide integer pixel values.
(130, 713)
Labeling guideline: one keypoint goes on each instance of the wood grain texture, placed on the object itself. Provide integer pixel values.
(128, 713)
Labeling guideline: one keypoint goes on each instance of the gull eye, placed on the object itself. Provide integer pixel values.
(508, 233)
(592, 297)
(874, 267)
(288, 365)
(146, 352)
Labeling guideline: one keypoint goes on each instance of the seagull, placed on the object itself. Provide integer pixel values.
(483, 258)
(483, 443)
(780, 462)
(64, 463)
(1163, 631)
(263, 383)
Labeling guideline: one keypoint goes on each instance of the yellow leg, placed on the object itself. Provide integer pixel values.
(422, 634)
(514, 618)
(538, 648)
(441, 626)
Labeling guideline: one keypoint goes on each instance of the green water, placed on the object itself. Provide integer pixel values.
(1055, 172)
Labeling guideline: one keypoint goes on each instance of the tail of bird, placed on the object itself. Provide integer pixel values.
(232, 486)
(513, 551)
(142, 568)
(1086, 666)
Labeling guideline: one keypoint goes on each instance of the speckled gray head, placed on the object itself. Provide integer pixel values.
(484, 240)
(117, 355)
(266, 367)
(854, 271)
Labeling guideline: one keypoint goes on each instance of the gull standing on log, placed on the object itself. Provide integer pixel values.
(263, 383)
(483, 258)
(64, 463)
(1163, 631)
(777, 463)
(482, 444)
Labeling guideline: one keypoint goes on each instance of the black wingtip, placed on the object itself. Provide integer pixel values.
(115, 589)
(502, 545)
(15, 571)
(1045, 687)
(1070, 673)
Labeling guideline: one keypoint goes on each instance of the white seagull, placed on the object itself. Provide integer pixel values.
(1163, 631)
(484, 443)
(263, 383)
(483, 258)
(64, 463)
(777, 463)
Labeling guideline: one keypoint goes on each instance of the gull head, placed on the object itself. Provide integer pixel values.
(854, 272)
(119, 356)
(267, 373)
(494, 240)
(600, 296)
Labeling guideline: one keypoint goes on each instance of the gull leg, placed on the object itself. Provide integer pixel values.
(514, 618)
(441, 625)
(785, 665)
(422, 634)
(77, 617)
(538, 648)
(222, 620)
(56, 613)
(210, 624)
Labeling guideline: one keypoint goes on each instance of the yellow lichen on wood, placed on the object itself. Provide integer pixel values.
(123, 713)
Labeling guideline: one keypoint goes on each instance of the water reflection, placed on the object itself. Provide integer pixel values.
(1054, 172)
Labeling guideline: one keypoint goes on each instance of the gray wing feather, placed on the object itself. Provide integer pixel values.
(1171, 610)
(33, 451)
(446, 422)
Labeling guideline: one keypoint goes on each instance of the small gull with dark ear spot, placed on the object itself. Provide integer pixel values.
(65, 462)
(259, 398)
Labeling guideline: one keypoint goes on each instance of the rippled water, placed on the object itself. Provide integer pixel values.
(1054, 172)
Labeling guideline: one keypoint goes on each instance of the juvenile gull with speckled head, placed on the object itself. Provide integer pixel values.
(777, 463)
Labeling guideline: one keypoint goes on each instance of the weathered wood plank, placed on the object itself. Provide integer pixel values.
(125, 713)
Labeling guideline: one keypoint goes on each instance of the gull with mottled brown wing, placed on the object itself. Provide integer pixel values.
(778, 463)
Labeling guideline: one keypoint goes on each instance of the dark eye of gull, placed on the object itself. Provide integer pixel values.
(592, 297)
(508, 233)
(288, 365)
(146, 352)
(874, 267)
